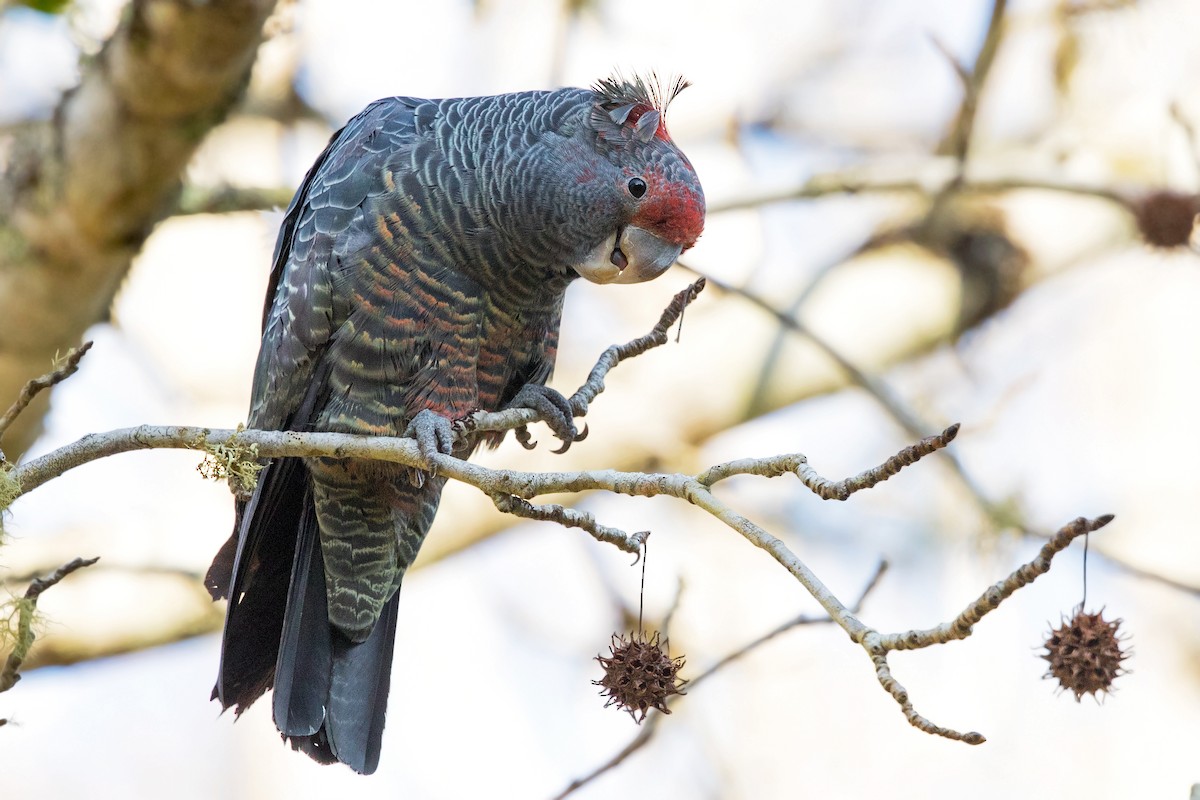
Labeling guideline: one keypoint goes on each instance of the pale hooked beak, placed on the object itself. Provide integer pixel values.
(631, 255)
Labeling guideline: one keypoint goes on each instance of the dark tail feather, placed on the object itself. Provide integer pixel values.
(330, 693)
(358, 699)
(315, 747)
(348, 688)
(302, 672)
(358, 693)
(220, 573)
(256, 583)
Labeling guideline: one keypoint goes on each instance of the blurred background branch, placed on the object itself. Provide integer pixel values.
(80, 193)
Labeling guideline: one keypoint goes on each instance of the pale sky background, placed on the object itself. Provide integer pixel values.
(1077, 400)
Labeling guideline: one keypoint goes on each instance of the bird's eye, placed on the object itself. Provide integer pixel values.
(637, 187)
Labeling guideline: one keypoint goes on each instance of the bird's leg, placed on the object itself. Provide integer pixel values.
(555, 411)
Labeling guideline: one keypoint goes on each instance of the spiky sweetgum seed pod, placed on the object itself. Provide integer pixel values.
(1085, 654)
(1165, 219)
(639, 675)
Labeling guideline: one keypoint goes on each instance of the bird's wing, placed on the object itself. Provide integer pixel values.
(302, 310)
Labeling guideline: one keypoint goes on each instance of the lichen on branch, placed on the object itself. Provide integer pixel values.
(17, 620)
(10, 489)
(233, 461)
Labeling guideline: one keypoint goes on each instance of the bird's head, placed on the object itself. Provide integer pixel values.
(650, 204)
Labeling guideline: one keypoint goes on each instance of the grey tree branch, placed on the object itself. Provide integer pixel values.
(511, 490)
(80, 194)
(516, 485)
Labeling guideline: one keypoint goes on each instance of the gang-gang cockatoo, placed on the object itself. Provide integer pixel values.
(418, 277)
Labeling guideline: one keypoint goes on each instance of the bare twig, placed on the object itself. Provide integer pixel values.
(822, 487)
(68, 367)
(900, 695)
(962, 625)
(572, 518)
(618, 353)
(512, 418)
(24, 610)
(131, 570)
(840, 490)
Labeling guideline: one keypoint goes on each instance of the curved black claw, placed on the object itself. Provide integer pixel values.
(555, 410)
(433, 432)
(525, 438)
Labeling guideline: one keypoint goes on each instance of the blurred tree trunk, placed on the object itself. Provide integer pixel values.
(80, 193)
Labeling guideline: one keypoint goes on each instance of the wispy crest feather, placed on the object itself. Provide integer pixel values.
(633, 109)
(640, 90)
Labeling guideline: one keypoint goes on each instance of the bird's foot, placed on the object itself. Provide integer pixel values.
(556, 412)
(433, 433)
